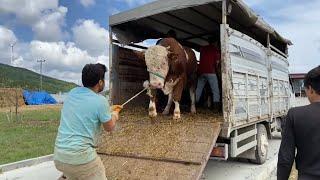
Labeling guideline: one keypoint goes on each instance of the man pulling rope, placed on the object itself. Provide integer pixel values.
(82, 114)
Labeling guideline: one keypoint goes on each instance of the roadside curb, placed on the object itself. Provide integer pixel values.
(25, 163)
(268, 170)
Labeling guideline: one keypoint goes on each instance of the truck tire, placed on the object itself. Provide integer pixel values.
(262, 145)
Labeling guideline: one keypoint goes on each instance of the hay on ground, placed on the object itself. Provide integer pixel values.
(9, 97)
(161, 148)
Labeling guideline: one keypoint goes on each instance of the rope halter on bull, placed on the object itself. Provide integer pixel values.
(156, 74)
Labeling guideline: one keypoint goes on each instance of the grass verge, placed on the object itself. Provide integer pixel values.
(31, 136)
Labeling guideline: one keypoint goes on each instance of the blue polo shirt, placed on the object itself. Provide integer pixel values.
(82, 113)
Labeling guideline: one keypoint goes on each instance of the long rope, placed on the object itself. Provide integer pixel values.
(134, 96)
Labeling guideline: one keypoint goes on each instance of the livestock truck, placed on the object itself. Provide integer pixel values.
(254, 85)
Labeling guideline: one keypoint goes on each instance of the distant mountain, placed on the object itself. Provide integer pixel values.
(23, 78)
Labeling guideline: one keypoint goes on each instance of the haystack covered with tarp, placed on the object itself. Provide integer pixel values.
(38, 98)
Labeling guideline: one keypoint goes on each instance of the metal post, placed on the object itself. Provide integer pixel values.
(268, 41)
(110, 66)
(12, 45)
(270, 78)
(247, 97)
(16, 104)
(225, 64)
(224, 12)
(259, 96)
(41, 61)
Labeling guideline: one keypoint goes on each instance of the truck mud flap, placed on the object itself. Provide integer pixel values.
(160, 150)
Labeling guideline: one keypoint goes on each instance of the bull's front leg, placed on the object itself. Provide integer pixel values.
(152, 104)
(193, 100)
(167, 109)
(152, 109)
(177, 93)
(176, 113)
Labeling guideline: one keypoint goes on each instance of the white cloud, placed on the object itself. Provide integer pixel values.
(21, 49)
(27, 11)
(297, 21)
(61, 55)
(49, 27)
(18, 62)
(87, 3)
(7, 37)
(90, 36)
(45, 17)
(64, 59)
(253, 3)
(74, 77)
(113, 10)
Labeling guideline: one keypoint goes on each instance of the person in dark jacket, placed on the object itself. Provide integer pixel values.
(301, 135)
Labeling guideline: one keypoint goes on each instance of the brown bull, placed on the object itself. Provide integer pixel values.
(171, 68)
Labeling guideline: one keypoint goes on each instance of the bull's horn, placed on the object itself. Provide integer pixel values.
(168, 48)
(146, 84)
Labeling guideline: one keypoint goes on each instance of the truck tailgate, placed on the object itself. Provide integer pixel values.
(165, 149)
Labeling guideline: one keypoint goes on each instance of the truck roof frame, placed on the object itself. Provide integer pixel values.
(190, 20)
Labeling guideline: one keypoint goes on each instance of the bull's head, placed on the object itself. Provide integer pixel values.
(156, 58)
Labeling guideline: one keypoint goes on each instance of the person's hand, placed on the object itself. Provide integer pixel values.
(116, 108)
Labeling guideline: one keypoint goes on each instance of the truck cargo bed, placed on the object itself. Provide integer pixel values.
(162, 148)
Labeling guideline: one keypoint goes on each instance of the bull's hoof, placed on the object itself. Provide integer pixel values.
(152, 114)
(165, 112)
(193, 110)
(176, 115)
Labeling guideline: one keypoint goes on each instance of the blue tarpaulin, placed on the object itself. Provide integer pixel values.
(38, 98)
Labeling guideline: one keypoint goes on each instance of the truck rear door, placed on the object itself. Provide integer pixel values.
(142, 149)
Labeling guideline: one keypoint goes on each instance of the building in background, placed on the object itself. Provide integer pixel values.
(297, 83)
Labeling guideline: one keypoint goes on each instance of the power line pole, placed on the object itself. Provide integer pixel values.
(12, 45)
(41, 61)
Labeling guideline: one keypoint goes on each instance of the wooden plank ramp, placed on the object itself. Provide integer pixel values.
(159, 149)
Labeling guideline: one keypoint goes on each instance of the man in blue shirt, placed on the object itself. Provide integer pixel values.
(83, 113)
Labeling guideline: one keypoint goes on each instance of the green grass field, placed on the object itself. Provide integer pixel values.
(31, 136)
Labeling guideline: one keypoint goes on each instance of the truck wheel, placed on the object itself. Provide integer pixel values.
(262, 145)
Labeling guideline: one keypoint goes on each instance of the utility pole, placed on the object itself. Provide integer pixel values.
(41, 61)
(12, 45)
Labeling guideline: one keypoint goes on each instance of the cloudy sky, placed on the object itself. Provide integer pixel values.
(69, 34)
